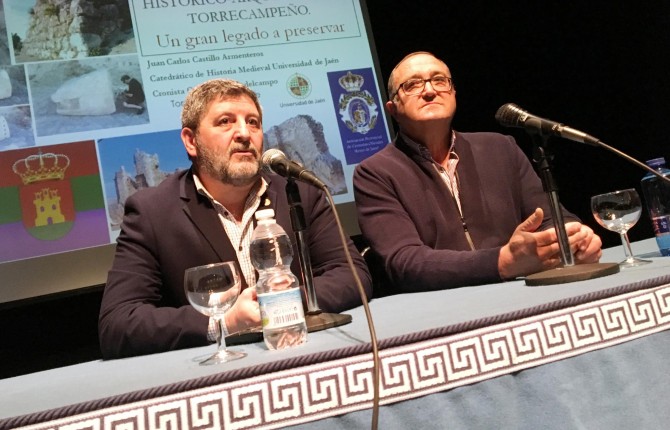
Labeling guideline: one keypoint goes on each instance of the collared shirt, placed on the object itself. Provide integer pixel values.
(239, 233)
(448, 174)
(240, 237)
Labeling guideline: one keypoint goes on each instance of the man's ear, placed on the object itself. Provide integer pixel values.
(391, 108)
(188, 138)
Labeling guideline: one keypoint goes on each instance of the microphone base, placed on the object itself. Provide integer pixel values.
(578, 272)
(322, 320)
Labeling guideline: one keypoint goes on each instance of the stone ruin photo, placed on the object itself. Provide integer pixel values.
(63, 92)
(302, 139)
(69, 29)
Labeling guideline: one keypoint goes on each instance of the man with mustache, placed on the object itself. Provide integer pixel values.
(205, 215)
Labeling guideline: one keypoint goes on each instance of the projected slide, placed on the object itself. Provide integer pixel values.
(91, 95)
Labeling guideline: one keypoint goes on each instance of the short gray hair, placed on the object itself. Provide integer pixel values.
(199, 97)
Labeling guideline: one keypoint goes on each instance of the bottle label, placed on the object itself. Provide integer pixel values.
(661, 225)
(281, 308)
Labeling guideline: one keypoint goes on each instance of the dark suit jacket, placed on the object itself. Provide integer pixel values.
(171, 227)
(407, 215)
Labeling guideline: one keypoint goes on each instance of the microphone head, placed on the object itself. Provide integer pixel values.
(271, 156)
(275, 161)
(511, 115)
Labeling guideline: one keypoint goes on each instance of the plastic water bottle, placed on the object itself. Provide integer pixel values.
(282, 315)
(657, 197)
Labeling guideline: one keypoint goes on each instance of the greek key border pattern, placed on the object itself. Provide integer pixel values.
(312, 392)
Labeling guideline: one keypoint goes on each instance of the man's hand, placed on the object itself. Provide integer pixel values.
(588, 249)
(529, 251)
(245, 313)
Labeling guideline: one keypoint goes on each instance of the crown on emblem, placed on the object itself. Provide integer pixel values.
(41, 167)
(351, 82)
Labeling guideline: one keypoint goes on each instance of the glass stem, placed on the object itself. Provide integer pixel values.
(627, 249)
(220, 338)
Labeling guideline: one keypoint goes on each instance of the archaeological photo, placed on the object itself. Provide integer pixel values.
(16, 129)
(76, 29)
(130, 163)
(13, 88)
(4, 45)
(302, 139)
(63, 92)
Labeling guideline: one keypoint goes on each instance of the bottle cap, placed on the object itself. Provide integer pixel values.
(265, 214)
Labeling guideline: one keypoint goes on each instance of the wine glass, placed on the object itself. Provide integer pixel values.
(619, 211)
(212, 289)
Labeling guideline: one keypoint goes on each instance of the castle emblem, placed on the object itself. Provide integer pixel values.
(358, 109)
(46, 197)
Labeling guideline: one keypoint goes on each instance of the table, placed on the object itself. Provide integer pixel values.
(493, 350)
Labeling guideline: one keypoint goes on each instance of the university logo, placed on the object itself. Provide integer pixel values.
(46, 198)
(357, 107)
(299, 86)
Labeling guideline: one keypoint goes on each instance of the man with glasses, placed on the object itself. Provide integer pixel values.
(442, 209)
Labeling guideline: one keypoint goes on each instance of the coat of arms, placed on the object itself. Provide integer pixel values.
(358, 109)
(46, 197)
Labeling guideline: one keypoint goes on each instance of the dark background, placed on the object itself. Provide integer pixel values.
(596, 66)
(599, 67)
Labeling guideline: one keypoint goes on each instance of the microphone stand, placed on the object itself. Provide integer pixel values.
(315, 318)
(569, 272)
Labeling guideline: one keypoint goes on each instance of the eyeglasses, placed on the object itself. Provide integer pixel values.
(416, 85)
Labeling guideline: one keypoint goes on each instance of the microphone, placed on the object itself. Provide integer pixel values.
(511, 115)
(276, 161)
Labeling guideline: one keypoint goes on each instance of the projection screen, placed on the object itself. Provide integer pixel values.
(77, 138)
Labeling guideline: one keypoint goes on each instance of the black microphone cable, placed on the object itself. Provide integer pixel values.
(276, 161)
(368, 315)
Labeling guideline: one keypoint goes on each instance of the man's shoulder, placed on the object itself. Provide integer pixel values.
(383, 156)
(170, 186)
(483, 137)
